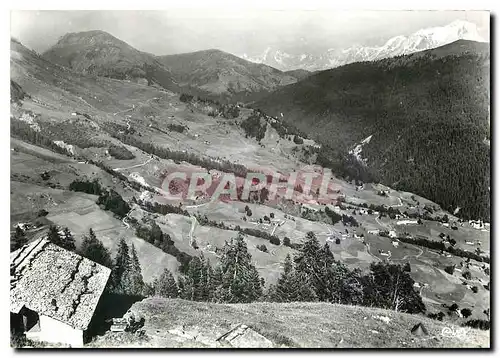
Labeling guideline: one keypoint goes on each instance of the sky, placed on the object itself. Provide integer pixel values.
(235, 31)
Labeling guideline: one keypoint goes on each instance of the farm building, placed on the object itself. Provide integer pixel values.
(476, 224)
(54, 292)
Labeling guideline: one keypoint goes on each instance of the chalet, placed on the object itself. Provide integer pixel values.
(407, 222)
(476, 224)
(54, 292)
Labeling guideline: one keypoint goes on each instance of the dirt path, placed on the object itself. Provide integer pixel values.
(405, 257)
(127, 110)
(387, 226)
(134, 166)
(370, 253)
(195, 206)
(194, 221)
(278, 223)
(127, 225)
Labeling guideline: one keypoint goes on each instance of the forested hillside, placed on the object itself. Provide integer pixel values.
(427, 113)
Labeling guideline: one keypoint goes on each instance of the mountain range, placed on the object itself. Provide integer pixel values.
(400, 45)
(204, 73)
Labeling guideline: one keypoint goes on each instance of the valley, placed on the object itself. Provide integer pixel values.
(130, 125)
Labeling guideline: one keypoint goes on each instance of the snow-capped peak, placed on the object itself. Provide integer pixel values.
(457, 30)
(421, 40)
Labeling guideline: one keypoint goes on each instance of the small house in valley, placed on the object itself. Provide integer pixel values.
(54, 292)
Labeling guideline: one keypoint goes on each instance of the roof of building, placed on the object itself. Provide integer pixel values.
(55, 282)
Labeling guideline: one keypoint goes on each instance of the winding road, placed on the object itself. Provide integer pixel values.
(127, 225)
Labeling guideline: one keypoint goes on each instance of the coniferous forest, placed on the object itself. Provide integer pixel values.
(427, 113)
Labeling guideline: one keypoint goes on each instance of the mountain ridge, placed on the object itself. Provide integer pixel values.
(220, 72)
(423, 39)
(208, 73)
(400, 101)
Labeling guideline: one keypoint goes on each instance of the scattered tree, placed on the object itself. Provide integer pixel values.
(93, 249)
(165, 285)
(466, 312)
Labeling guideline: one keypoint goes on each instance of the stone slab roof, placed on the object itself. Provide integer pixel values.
(55, 282)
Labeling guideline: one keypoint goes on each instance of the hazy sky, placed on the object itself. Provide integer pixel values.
(238, 32)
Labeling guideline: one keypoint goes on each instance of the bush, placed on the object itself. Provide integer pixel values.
(297, 140)
(176, 127)
(163, 209)
(185, 97)
(333, 215)
(275, 240)
(262, 248)
(438, 316)
(120, 152)
(113, 202)
(42, 213)
(478, 323)
(466, 312)
(449, 269)
(85, 186)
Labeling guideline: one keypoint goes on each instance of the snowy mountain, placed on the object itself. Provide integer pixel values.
(400, 45)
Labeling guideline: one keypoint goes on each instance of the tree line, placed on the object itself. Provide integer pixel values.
(225, 110)
(311, 275)
(165, 153)
(23, 131)
(441, 246)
